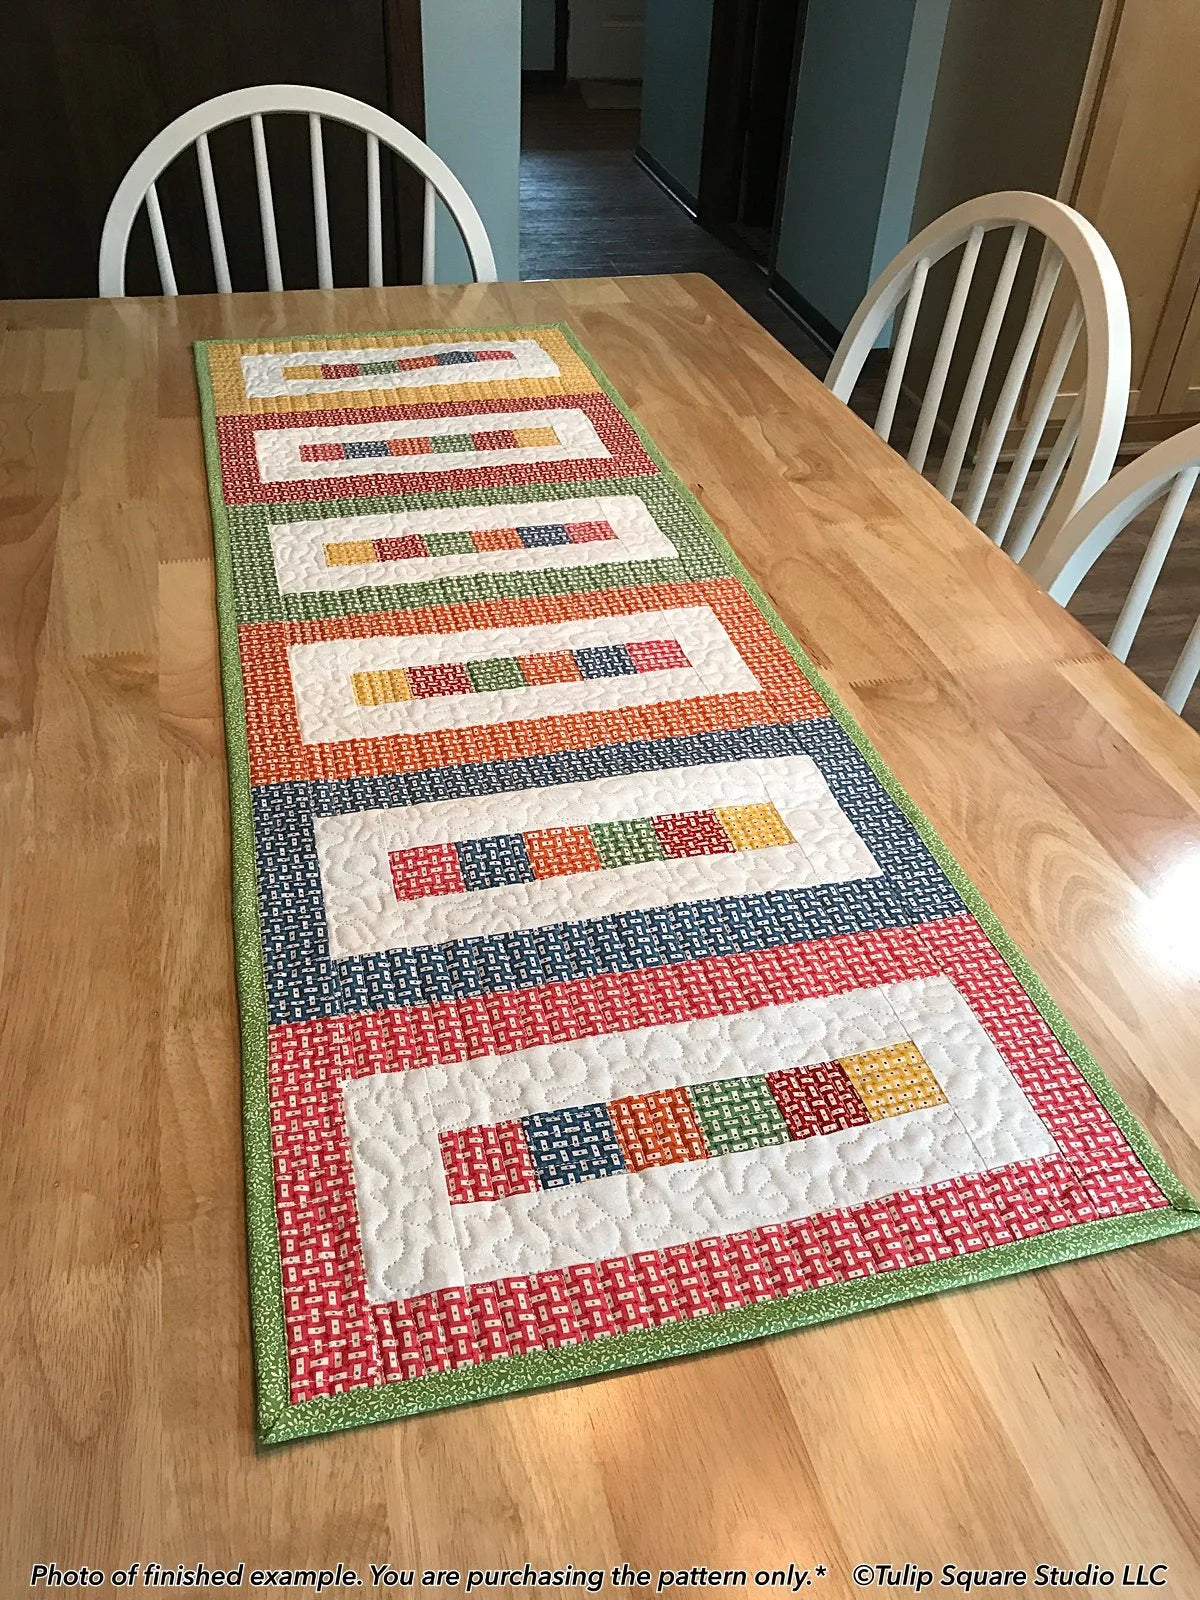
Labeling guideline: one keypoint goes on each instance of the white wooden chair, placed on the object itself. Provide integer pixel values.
(1060, 562)
(193, 128)
(1085, 447)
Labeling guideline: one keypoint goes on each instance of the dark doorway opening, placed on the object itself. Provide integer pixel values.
(751, 89)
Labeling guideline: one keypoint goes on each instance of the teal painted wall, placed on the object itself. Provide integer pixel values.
(473, 120)
(537, 35)
(868, 72)
(675, 86)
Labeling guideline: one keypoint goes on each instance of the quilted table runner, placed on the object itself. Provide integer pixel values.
(603, 997)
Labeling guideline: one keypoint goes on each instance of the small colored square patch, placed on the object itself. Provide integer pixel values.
(349, 553)
(408, 547)
(380, 688)
(621, 844)
(536, 438)
(818, 1099)
(657, 655)
(499, 859)
(658, 1130)
(573, 1145)
(495, 439)
(487, 1163)
(555, 852)
(556, 666)
(692, 833)
(427, 870)
(893, 1081)
(604, 661)
(497, 539)
(540, 534)
(754, 827)
(738, 1114)
(446, 677)
(499, 672)
(589, 532)
(450, 543)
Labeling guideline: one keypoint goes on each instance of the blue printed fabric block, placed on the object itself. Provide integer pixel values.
(455, 358)
(365, 447)
(572, 1145)
(604, 661)
(540, 534)
(485, 863)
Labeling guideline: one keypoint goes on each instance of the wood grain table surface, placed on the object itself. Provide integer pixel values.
(1050, 1417)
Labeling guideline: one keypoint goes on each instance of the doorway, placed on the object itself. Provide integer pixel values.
(604, 40)
(753, 59)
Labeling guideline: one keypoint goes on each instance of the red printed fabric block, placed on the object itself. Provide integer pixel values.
(450, 677)
(495, 439)
(408, 547)
(589, 532)
(692, 833)
(657, 655)
(487, 1163)
(322, 452)
(428, 869)
(818, 1099)
(348, 369)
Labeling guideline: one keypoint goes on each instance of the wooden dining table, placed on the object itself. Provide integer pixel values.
(1051, 1417)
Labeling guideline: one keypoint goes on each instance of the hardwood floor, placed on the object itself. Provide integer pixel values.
(588, 210)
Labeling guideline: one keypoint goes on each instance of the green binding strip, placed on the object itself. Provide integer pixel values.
(278, 1420)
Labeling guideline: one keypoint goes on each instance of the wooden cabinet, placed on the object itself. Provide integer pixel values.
(1134, 170)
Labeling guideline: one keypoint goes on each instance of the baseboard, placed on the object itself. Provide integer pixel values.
(542, 77)
(813, 323)
(681, 196)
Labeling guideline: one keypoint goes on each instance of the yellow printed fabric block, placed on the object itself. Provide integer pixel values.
(535, 438)
(302, 374)
(381, 688)
(754, 827)
(349, 553)
(893, 1080)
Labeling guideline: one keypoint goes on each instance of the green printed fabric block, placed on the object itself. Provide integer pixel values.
(738, 1114)
(495, 674)
(443, 443)
(449, 544)
(621, 844)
